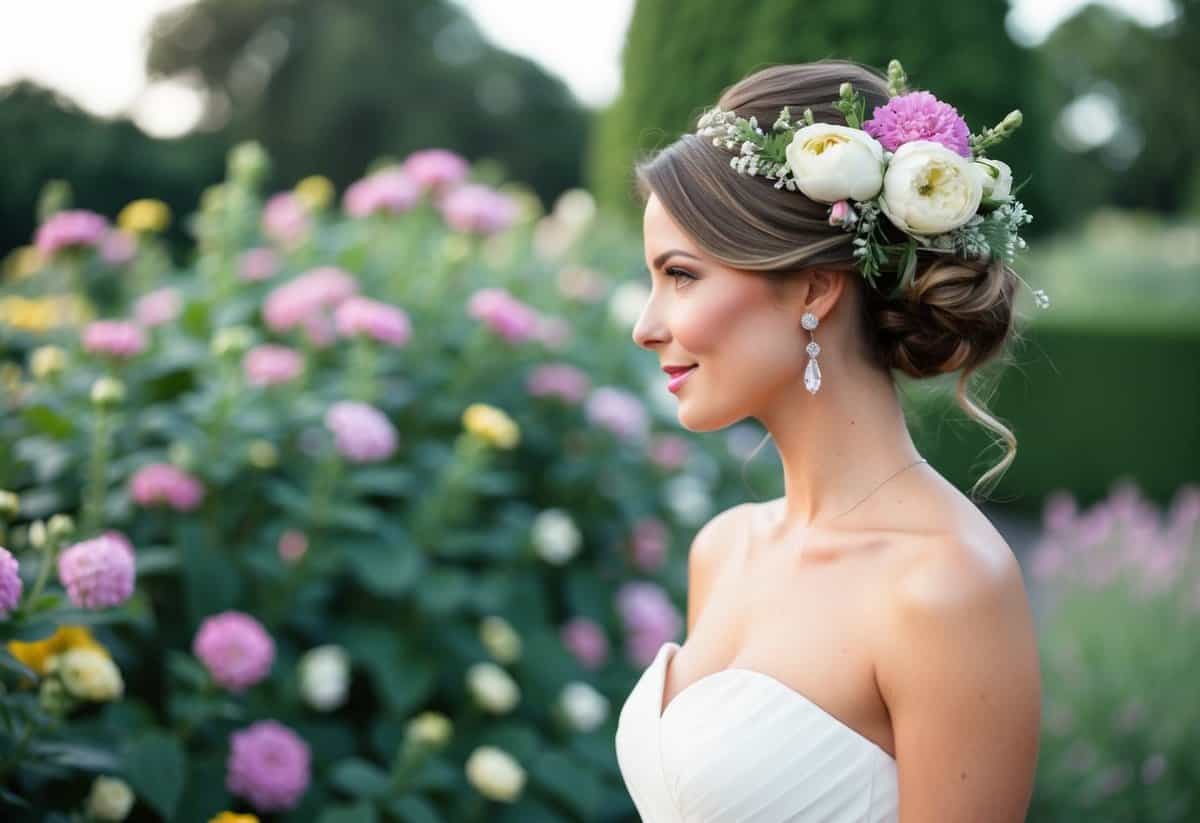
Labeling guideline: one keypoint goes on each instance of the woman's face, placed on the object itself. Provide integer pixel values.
(744, 336)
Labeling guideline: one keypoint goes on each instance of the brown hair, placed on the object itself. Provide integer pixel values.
(957, 313)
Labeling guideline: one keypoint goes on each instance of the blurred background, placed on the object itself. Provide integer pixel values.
(213, 182)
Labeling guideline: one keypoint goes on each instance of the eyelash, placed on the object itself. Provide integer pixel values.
(671, 272)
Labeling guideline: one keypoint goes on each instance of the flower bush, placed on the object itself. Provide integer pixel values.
(405, 509)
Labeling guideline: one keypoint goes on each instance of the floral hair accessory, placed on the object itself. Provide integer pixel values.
(915, 161)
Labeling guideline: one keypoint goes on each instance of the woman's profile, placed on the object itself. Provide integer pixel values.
(862, 648)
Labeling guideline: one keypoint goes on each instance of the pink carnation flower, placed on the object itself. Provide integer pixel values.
(235, 648)
(436, 169)
(586, 640)
(165, 483)
(361, 432)
(388, 190)
(504, 314)
(114, 338)
(560, 380)
(919, 115)
(158, 307)
(258, 263)
(72, 227)
(269, 364)
(98, 573)
(10, 582)
(304, 301)
(619, 411)
(285, 219)
(477, 209)
(269, 765)
(379, 321)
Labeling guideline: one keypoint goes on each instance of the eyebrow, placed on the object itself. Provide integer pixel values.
(662, 258)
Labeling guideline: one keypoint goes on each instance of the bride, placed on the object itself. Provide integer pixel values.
(862, 648)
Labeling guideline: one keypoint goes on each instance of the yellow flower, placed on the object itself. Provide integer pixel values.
(234, 817)
(46, 361)
(41, 314)
(145, 215)
(36, 654)
(315, 191)
(24, 261)
(491, 425)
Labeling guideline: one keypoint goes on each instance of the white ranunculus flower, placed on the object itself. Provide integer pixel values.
(325, 677)
(832, 162)
(492, 687)
(110, 799)
(583, 706)
(500, 639)
(929, 189)
(996, 177)
(555, 536)
(495, 773)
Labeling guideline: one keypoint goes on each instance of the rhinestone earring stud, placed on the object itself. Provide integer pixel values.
(812, 373)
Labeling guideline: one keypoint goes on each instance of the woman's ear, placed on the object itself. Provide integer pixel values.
(817, 290)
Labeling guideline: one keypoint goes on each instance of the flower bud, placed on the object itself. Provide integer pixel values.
(430, 728)
(60, 527)
(495, 774)
(110, 799)
(232, 340)
(492, 687)
(583, 707)
(47, 361)
(500, 639)
(37, 534)
(315, 192)
(108, 392)
(325, 677)
(10, 504)
(262, 454)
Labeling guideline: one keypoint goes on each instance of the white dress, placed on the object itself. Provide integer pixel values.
(738, 746)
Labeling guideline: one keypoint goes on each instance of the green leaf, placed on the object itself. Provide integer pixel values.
(48, 421)
(360, 778)
(362, 812)
(444, 592)
(156, 766)
(412, 808)
(575, 787)
(157, 560)
(7, 661)
(385, 568)
(74, 755)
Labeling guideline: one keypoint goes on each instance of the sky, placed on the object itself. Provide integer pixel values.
(98, 60)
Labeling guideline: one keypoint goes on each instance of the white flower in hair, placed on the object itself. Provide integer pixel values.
(929, 189)
(997, 179)
(831, 163)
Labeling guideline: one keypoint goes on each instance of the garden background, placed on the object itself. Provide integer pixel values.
(336, 489)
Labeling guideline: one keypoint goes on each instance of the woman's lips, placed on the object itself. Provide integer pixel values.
(675, 382)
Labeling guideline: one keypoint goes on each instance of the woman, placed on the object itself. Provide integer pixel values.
(862, 648)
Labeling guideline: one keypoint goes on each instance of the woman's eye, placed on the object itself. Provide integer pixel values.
(674, 273)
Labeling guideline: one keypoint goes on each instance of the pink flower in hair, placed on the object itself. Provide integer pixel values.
(919, 115)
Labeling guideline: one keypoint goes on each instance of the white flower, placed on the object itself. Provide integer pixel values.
(495, 773)
(996, 177)
(929, 189)
(626, 303)
(430, 728)
(500, 639)
(555, 536)
(325, 677)
(89, 674)
(110, 799)
(832, 163)
(492, 687)
(688, 499)
(583, 706)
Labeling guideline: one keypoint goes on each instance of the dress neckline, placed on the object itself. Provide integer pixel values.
(670, 647)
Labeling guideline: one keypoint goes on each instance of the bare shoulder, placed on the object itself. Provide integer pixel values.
(960, 675)
(710, 545)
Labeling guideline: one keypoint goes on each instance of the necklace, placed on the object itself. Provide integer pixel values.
(877, 488)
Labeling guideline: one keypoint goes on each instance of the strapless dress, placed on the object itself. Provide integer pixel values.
(739, 746)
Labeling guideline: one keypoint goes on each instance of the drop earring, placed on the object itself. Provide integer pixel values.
(812, 373)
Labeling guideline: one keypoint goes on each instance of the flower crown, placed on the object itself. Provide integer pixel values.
(915, 161)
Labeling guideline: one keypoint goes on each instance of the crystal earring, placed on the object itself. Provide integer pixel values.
(812, 374)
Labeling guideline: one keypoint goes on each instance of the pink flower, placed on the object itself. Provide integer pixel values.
(158, 307)
(841, 214)
(379, 321)
(919, 115)
(118, 247)
(561, 380)
(478, 209)
(269, 765)
(285, 219)
(389, 190)
(304, 301)
(235, 648)
(269, 364)
(650, 619)
(165, 483)
(258, 263)
(619, 411)
(504, 314)
(362, 433)
(114, 338)
(649, 543)
(436, 169)
(669, 451)
(292, 545)
(10, 582)
(98, 573)
(586, 640)
(72, 227)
